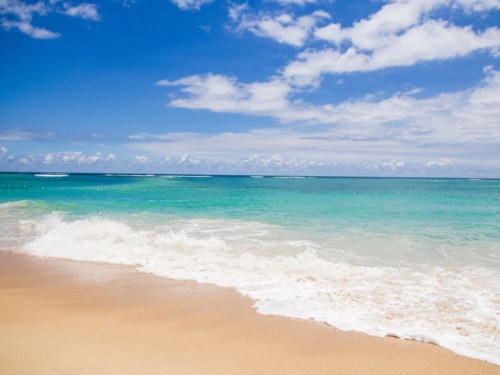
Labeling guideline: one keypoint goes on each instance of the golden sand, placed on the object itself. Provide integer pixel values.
(65, 317)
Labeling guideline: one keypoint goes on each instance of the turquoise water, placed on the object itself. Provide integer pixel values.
(415, 258)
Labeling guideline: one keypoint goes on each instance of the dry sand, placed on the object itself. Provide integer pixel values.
(65, 317)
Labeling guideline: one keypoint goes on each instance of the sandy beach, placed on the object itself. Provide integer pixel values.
(67, 317)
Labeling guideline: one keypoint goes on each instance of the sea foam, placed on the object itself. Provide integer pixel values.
(454, 307)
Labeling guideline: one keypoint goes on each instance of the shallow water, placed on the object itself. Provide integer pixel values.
(413, 258)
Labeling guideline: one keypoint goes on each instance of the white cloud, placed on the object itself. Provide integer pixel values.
(186, 160)
(433, 40)
(190, 4)
(141, 159)
(19, 15)
(393, 164)
(459, 123)
(93, 159)
(317, 151)
(22, 10)
(236, 11)
(295, 2)
(283, 28)
(111, 157)
(70, 159)
(77, 157)
(224, 94)
(3, 150)
(478, 5)
(29, 29)
(463, 116)
(85, 10)
(401, 33)
(22, 135)
(393, 18)
(438, 163)
(96, 136)
(49, 159)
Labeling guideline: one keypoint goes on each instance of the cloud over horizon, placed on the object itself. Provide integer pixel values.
(291, 86)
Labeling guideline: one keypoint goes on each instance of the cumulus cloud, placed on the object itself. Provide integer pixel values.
(469, 115)
(327, 145)
(19, 15)
(111, 157)
(70, 160)
(224, 94)
(85, 10)
(29, 29)
(438, 163)
(283, 28)
(295, 2)
(141, 159)
(253, 163)
(190, 4)
(49, 159)
(478, 5)
(430, 41)
(401, 33)
(393, 164)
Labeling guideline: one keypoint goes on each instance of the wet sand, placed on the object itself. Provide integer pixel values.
(66, 317)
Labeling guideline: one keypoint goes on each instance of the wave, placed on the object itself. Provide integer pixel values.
(130, 175)
(51, 175)
(187, 176)
(293, 177)
(453, 307)
(14, 204)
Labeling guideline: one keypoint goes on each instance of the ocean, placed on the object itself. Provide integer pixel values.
(411, 258)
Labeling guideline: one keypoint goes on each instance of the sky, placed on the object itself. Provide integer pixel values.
(290, 87)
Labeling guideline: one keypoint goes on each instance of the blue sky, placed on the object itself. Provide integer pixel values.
(304, 87)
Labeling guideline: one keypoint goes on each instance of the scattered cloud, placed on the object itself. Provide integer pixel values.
(478, 5)
(469, 115)
(267, 151)
(438, 163)
(23, 135)
(68, 160)
(86, 11)
(49, 159)
(432, 40)
(19, 15)
(295, 2)
(190, 4)
(283, 28)
(29, 29)
(322, 146)
(397, 132)
(141, 159)
(224, 94)
(393, 164)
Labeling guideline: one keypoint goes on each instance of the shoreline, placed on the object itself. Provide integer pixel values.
(64, 316)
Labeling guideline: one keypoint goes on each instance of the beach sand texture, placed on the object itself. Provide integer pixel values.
(66, 317)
